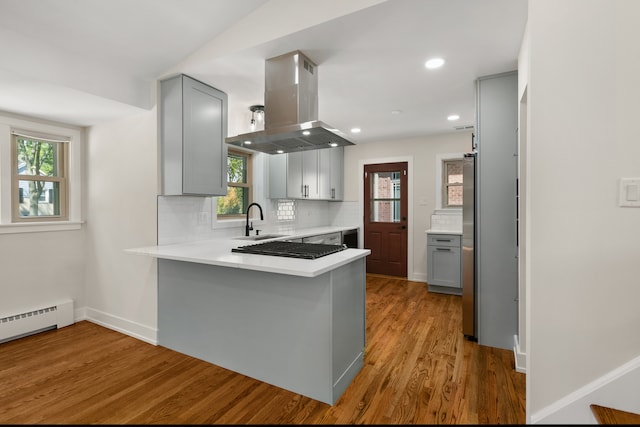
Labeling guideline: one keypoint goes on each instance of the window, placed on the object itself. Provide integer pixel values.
(239, 191)
(451, 183)
(39, 178)
(41, 181)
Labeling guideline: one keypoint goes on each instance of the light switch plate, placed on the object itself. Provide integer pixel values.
(629, 192)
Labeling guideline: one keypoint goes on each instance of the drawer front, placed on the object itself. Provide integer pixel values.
(444, 240)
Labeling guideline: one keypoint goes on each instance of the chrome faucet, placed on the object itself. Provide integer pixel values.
(249, 228)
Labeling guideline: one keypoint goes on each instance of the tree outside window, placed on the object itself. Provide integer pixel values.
(238, 197)
(39, 179)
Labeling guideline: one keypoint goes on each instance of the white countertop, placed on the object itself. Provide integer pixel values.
(218, 252)
(433, 231)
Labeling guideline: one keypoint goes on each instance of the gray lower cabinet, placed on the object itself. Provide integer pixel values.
(303, 334)
(192, 126)
(444, 263)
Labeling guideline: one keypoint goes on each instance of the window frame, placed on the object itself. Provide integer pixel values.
(75, 135)
(439, 159)
(446, 184)
(248, 185)
(61, 179)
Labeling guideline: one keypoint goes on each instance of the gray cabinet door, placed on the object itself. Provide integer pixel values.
(205, 153)
(278, 176)
(192, 126)
(331, 173)
(302, 175)
(295, 185)
(325, 169)
(443, 260)
(337, 173)
(310, 174)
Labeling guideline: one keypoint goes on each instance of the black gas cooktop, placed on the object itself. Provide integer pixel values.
(290, 249)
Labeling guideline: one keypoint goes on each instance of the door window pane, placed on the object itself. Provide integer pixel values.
(385, 197)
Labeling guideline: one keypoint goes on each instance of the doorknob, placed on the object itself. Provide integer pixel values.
(403, 227)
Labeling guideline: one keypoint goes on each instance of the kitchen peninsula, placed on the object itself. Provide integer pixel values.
(298, 324)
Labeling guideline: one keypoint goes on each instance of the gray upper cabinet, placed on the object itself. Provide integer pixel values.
(331, 173)
(302, 175)
(192, 120)
(310, 174)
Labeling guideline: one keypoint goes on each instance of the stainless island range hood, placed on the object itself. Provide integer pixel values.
(291, 110)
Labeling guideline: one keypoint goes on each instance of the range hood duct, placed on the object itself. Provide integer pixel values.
(291, 110)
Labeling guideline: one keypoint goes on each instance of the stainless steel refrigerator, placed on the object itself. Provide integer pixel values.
(469, 303)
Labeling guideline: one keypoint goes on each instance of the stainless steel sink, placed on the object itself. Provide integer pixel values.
(260, 237)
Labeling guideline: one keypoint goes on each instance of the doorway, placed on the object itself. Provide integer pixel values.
(386, 218)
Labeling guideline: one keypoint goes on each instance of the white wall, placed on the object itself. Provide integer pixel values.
(37, 268)
(583, 249)
(121, 214)
(423, 151)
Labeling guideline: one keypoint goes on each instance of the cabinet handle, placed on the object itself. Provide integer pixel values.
(443, 249)
(333, 193)
(443, 240)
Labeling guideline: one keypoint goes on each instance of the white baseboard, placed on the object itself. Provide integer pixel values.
(418, 277)
(618, 389)
(127, 327)
(519, 356)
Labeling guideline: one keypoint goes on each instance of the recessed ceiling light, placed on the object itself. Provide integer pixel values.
(248, 142)
(333, 144)
(355, 130)
(434, 63)
(396, 112)
(453, 117)
(280, 151)
(306, 132)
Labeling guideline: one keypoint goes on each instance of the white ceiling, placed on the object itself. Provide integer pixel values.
(84, 62)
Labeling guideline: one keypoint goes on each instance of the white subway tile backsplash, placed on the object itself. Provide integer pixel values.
(181, 218)
(344, 213)
(449, 221)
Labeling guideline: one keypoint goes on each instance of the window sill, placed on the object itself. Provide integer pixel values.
(36, 227)
(229, 223)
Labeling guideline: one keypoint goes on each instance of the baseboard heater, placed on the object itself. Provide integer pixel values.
(40, 319)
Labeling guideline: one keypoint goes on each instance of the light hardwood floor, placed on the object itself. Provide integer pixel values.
(418, 370)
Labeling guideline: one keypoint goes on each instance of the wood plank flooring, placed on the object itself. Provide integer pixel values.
(418, 370)
(606, 415)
